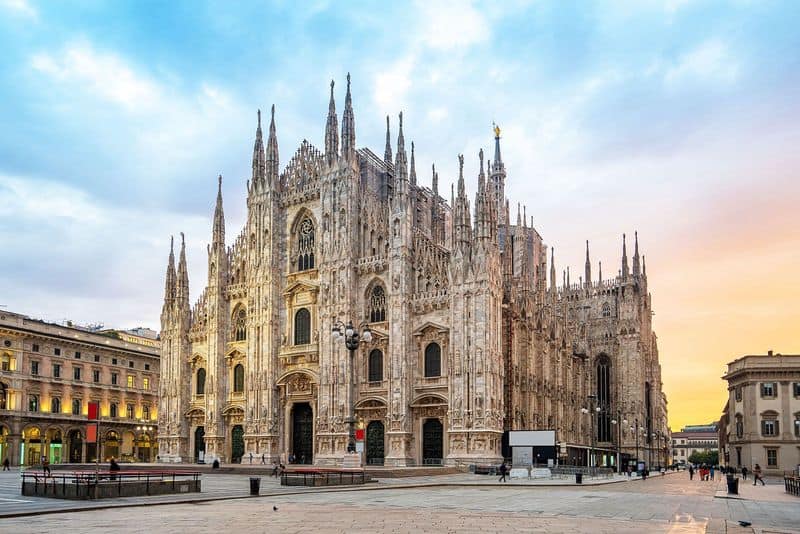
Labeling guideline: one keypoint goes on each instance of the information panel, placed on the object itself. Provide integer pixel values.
(532, 438)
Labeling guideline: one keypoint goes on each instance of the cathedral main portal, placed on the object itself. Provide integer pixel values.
(303, 433)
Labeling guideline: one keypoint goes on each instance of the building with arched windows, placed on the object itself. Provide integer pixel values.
(49, 373)
(469, 340)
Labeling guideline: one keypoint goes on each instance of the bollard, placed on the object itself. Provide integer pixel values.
(255, 485)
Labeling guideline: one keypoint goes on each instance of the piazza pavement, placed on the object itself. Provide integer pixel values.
(447, 503)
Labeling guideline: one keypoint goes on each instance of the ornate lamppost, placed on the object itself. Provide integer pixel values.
(636, 432)
(619, 422)
(351, 338)
(594, 410)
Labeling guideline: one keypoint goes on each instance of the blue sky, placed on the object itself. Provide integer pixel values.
(678, 118)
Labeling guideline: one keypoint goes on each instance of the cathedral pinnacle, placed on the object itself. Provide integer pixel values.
(218, 237)
(413, 170)
(348, 126)
(259, 163)
(624, 259)
(553, 268)
(169, 286)
(636, 271)
(272, 152)
(387, 153)
(434, 181)
(588, 267)
(332, 131)
(599, 272)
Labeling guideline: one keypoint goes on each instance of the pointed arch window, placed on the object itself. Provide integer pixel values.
(305, 245)
(433, 360)
(201, 382)
(375, 366)
(240, 324)
(606, 310)
(238, 378)
(603, 378)
(302, 327)
(377, 305)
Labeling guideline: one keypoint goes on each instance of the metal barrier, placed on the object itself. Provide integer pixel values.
(322, 477)
(569, 471)
(85, 484)
(792, 485)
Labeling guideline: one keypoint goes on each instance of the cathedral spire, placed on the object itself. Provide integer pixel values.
(599, 272)
(400, 161)
(644, 268)
(624, 259)
(183, 279)
(387, 153)
(498, 175)
(169, 286)
(331, 131)
(553, 268)
(259, 163)
(568, 282)
(218, 237)
(413, 170)
(272, 152)
(588, 267)
(434, 181)
(348, 126)
(636, 270)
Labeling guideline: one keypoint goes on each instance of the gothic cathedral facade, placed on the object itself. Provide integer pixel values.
(468, 338)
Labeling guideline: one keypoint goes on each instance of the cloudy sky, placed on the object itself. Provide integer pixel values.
(676, 118)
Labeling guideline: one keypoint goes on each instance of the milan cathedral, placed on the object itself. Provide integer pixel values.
(468, 338)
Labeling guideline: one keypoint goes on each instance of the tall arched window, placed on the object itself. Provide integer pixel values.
(648, 411)
(433, 360)
(375, 366)
(606, 310)
(603, 372)
(377, 305)
(739, 426)
(201, 381)
(76, 406)
(302, 327)
(238, 378)
(240, 324)
(3, 396)
(112, 410)
(305, 245)
(55, 405)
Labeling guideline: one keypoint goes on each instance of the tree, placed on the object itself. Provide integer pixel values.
(704, 457)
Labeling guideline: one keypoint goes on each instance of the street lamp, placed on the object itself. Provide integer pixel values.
(619, 424)
(594, 411)
(351, 338)
(636, 433)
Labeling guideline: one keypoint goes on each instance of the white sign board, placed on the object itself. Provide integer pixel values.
(522, 456)
(532, 438)
(359, 446)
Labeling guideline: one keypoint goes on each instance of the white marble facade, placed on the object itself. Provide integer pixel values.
(468, 337)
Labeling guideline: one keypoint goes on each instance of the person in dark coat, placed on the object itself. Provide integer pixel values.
(113, 467)
(6, 465)
(503, 471)
(691, 472)
(744, 473)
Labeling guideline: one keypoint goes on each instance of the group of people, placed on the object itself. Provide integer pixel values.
(706, 472)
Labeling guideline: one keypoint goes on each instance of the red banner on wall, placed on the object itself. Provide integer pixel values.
(91, 433)
(94, 411)
(360, 432)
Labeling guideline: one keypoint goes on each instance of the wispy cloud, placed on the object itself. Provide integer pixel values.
(711, 61)
(21, 8)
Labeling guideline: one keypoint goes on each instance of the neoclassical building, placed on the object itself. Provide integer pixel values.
(469, 338)
(48, 375)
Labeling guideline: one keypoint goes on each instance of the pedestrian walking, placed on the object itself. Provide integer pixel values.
(263, 459)
(6, 465)
(691, 472)
(274, 469)
(744, 473)
(503, 471)
(711, 470)
(757, 476)
(46, 466)
(113, 467)
(251, 457)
